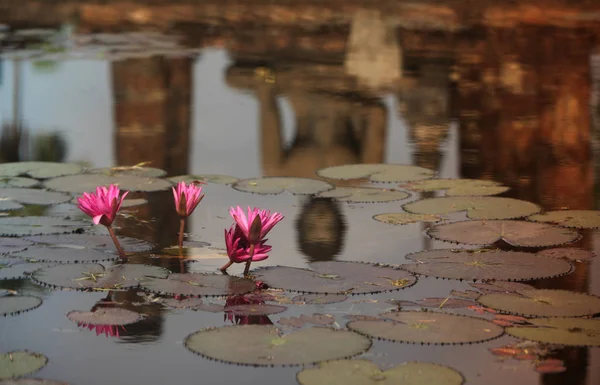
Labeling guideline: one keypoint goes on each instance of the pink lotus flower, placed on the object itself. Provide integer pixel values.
(238, 248)
(187, 197)
(245, 222)
(103, 205)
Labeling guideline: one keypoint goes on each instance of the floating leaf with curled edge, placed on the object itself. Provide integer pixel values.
(23, 226)
(476, 207)
(580, 219)
(20, 363)
(72, 254)
(39, 170)
(15, 304)
(277, 185)
(92, 241)
(363, 195)
(78, 184)
(13, 245)
(458, 187)
(560, 331)
(197, 284)
(206, 178)
(377, 172)
(405, 218)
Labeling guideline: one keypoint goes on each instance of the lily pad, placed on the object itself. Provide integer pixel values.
(15, 304)
(92, 241)
(363, 194)
(363, 372)
(96, 277)
(17, 269)
(501, 287)
(148, 172)
(445, 303)
(476, 207)
(21, 226)
(254, 309)
(207, 178)
(560, 331)
(192, 304)
(9, 205)
(263, 345)
(485, 265)
(319, 299)
(12, 245)
(405, 218)
(104, 316)
(31, 381)
(197, 284)
(428, 328)
(515, 233)
(377, 172)
(20, 363)
(68, 254)
(336, 278)
(32, 196)
(78, 184)
(580, 219)
(458, 187)
(543, 303)
(18, 181)
(277, 185)
(39, 170)
(569, 253)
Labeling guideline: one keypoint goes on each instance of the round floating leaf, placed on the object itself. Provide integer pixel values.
(39, 170)
(31, 381)
(581, 219)
(104, 316)
(12, 245)
(254, 309)
(277, 185)
(147, 172)
(543, 303)
(33, 196)
(197, 284)
(92, 241)
(485, 265)
(15, 304)
(264, 345)
(570, 254)
(207, 178)
(445, 303)
(21, 363)
(78, 184)
(319, 299)
(21, 226)
(501, 287)
(96, 277)
(68, 254)
(405, 218)
(363, 372)
(18, 181)
(377, 172)
(428, 328)
(336, 278)
(560, 331)
(363, 194)
(458, 187)
(515, 233)
(186, 303)
(476, 207)
(17, 269)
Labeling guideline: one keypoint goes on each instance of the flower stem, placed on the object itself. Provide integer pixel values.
(251, 252)
(181, 229)
(116, 242)
(226, 266)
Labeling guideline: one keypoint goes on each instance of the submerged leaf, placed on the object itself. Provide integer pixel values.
(78, 184)
(196, 284)
(405, 218)
(458, 187)
(15, 304)
(277, 185)
(20, 363)
(377, 172)
(581, 219)
(476, 207)
(560, 331)
(363, 194)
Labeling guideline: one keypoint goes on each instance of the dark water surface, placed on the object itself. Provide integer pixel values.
(225, 94)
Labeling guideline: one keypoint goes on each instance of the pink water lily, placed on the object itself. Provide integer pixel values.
(238, 248)
(187, 197)
(267, 222)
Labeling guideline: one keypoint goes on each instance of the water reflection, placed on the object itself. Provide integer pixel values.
(321, 229)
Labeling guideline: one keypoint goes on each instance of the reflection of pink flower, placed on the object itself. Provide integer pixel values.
(238, 248)
(267, 221)
(103, 205)
(250, 299)
(187, 197)
(108, 330)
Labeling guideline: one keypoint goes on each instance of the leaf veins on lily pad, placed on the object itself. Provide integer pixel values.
(207, 178)
(363, 372)
(377, 172)
(13, 245)
(277, 185)
(476, 207)
(405, 218)
(319, 299)
(458, 187)
(96, 277)
(263, 345)
(428, 328)
(20, 363)
(39, 170)
(581, 219)
(515, 233)
(336, 278)
(22, 226)
(15, 304)
(197, 285)
(569, 253)
(32, 196)
(92, 241)
(543, 303)
(363, 194)
(18, 181)
(485, 265)
(560, 331)
(104, 316)
(78, 184)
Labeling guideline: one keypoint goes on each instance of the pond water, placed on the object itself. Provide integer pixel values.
(219, 95)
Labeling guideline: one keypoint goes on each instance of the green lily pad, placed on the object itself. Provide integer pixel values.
(105, 316)
(543, 303)
(13, 245)
(196, 285)
(476, 207)
(377, 172)
(363, 194)
(69, 254)
(405, 218)
(445, 303)
(96, 277)
(485, 265)
(78, 184)
(39, 170)
(560, 331)
(333, 277)
(515, 233)
(9, 205)
(147, 172)
(92, 241)
(15, 304)
(33, 196)
(31, 381)
(192, 304)
(277, 185)
(363, 372)
(458, 187)
(207, 178)
(580, 219)
(263, 345)
(319, 299)
(20, 363)
(15, 268)
(428, 328)
(17, 181)
(569, 253)
(22, 226)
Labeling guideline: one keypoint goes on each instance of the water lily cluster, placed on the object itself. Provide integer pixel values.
(245, 239)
